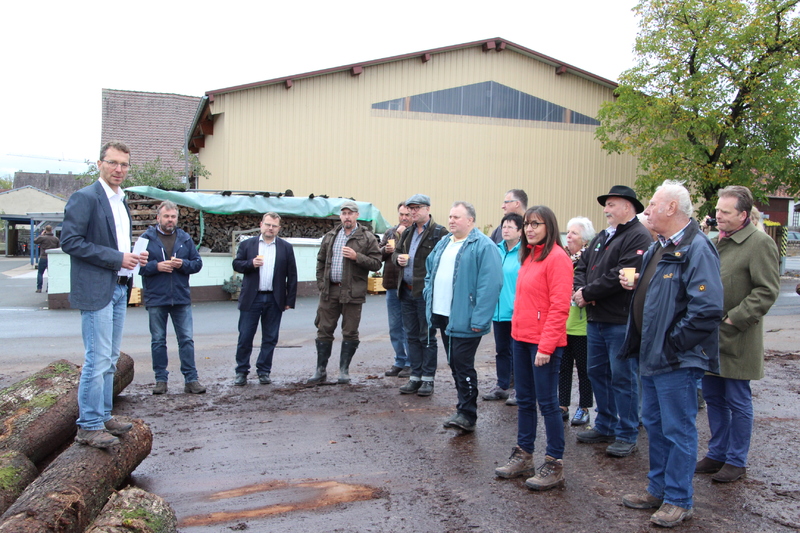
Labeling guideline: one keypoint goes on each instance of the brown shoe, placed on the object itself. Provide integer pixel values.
(117, 428)
(520, 463)
(706, 465)
(97, 438)
(671, 515)
(549, 475)
(641, 500)
(729, 473)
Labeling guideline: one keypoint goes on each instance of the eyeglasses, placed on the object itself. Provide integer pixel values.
(415, 207)
(534, 225)
(115, 164)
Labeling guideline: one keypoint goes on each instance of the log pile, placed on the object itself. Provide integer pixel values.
(218, 229)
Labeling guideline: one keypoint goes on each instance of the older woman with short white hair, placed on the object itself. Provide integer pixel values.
(580, 232)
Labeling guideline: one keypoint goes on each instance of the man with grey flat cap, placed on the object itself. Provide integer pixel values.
(596, 284)
(346, 256)
(410, 255)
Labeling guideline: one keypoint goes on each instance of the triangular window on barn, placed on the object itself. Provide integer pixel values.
(487, 99)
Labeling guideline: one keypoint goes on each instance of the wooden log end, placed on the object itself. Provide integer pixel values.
(135, 510)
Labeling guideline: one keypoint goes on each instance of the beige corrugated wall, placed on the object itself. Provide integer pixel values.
(323, 137)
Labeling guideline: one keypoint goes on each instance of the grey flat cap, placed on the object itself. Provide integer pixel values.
(352, 206)
(419, 199)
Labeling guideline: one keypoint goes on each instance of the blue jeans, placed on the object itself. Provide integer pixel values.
(503, 360)
(397, 332)
(730, 418)
(182, 323)
(266, 310)
(40, 273)
(614, 382)
(422, 348)
(538, 384)
(669, 409)
(102, 336)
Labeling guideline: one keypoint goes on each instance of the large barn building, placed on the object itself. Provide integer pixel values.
(465, 122)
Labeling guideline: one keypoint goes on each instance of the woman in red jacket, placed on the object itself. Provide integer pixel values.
(538, 327)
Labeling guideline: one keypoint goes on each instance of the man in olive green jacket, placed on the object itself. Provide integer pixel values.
(751, 283)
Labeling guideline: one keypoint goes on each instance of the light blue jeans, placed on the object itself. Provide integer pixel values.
(102, 336)
(182, 323)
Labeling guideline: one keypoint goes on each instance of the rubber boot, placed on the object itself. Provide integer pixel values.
(323, 354)
(348, 351)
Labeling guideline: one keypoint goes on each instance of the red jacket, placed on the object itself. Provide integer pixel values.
(541, 306)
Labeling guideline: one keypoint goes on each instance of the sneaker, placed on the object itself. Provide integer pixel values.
(620, 448)
(549, 475)
(512, 397)
(394, 371)
(405, 373)
(194, 387)
(671, 515)
(496, 393)
(519, 464)
(706, 465)
(426, 389)
(460, 421)
(581, 417)
(264, 379)
(96, 438)
(411, 387)
(729, 473)
(641, 500)
(117, 428)
(160, 388)
(592, 436)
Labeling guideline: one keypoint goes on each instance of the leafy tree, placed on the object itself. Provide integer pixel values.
(713, 98)
(6, 181)
(153, 173)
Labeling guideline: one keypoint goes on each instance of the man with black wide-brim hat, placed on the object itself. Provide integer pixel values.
(597, 288)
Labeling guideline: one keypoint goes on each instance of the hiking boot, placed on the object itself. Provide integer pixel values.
(671, 515)
(264, 379)
(160, 388)
(117, 428)
(323, 354)
(393, 372)
(519, 464)
(641, 500)
(411, 387)
(592, 436)
(549, 475)
(512, 397)
(449, 422)
(581, 417)
(426, 389)
(729, 473)
(460, 421)
(405, 373)
(706, 465)
(96, 438)
(241, 380)
(496, 393)
(194, 387)
(620, 448)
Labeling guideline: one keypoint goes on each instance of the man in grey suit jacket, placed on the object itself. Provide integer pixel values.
(269, 288)
(97, 236)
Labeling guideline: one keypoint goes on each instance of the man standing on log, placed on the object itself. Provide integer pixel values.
(97, 236)
(346, 255)
(269, 288)
(172, 258)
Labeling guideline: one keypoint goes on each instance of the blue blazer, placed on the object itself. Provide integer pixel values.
(89, 236)
(284, 278)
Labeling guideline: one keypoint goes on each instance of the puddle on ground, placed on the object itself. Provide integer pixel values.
(292, 496)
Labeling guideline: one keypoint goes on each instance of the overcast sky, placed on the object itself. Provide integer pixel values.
(58, 56)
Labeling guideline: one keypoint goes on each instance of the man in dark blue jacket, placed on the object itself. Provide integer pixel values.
(269, 288)
(172, 258)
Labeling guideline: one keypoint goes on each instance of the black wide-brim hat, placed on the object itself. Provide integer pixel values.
(622, 192)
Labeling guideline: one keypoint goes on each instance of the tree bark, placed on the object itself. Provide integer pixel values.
(72, 491)
(16, 473)
(133, 510)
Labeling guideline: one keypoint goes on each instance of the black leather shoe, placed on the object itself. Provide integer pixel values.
(393, 372)
(411, 387)
(264, 379)
(241, 380)
(426, 389)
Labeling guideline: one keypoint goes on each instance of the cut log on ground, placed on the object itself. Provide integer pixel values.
(39, 412)
(133, 510)
(72, 491)
(16, 473)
